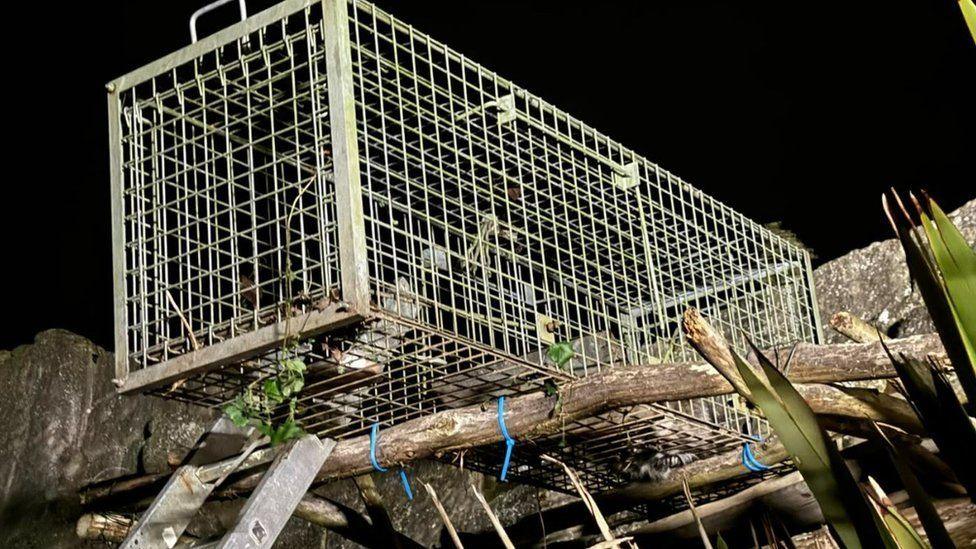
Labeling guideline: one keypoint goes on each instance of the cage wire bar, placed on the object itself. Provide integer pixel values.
(425, 230)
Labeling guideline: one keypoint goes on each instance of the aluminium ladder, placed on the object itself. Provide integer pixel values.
(266, 511)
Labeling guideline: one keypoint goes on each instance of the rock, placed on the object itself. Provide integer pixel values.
(64, 427)
(873, 284)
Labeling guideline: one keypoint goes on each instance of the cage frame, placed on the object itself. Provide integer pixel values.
(354, 249)
(355, 304)
(352, 246)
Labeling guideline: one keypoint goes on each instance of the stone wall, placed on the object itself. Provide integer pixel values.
(873, 284)
(62, 427)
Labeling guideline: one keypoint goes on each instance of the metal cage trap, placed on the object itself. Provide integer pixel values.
(424, 230)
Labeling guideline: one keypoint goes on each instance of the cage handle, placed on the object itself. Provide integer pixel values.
(209, 8)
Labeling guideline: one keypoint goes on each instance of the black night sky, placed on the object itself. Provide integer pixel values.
(801, 112)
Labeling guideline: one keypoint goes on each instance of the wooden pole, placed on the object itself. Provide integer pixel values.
(854, 328)
(532, 415)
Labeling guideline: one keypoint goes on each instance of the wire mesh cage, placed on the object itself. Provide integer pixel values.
(424, 231)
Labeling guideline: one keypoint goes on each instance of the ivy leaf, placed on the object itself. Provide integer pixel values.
(266, 429)
(235, 413)
(293, 386)
(560, 353)
(550, 388)
(274, 392)
(293, 365)
(290, 382)
(286, 431)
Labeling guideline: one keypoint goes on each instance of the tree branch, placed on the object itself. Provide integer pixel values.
(376, 509)
(316, 510)
(532, 415)
(854, 328)
(699, 474)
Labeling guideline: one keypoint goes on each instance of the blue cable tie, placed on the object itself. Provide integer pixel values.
(509, 441)
(373, 435)
(373, 432)
(406, 484)
(750, 461)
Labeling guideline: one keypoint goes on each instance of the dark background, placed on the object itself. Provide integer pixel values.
(800, 112)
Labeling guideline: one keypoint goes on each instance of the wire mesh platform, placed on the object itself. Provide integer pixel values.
(424, 230)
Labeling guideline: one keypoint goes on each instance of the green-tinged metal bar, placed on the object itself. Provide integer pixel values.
(345, 155)
(237, 349)
(812, 296)
(209, 43)
(118, 234)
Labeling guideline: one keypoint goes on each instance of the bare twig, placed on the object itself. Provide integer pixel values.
(186, 323)
(493, 518)
(694, 513)
(189, 333)
(447, 520)
(609, 539)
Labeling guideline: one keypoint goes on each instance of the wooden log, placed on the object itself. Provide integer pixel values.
(376, 509)
(113, 527)
(698, 474)
(110, 527)
(854, 328)
(721, 513)
(532, 415)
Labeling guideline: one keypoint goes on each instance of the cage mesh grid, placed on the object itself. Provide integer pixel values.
(226, 188)
(493, 216)
(495, 225)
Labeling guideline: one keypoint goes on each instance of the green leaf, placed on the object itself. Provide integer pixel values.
(273, 391)
(286, 431)
(235, 412)
(969, 15)
(924, 271)
(291, 382)
(870, 526)
(959, 433)
(806, 420)
(720, 543)
(266, 429)
(560, 353)
(293, 365)
(934, 527)
(900, 530)
(550, 388)
(943, 416)
(956, 261)
(905, 536)
(812, 465)
(841, 500)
